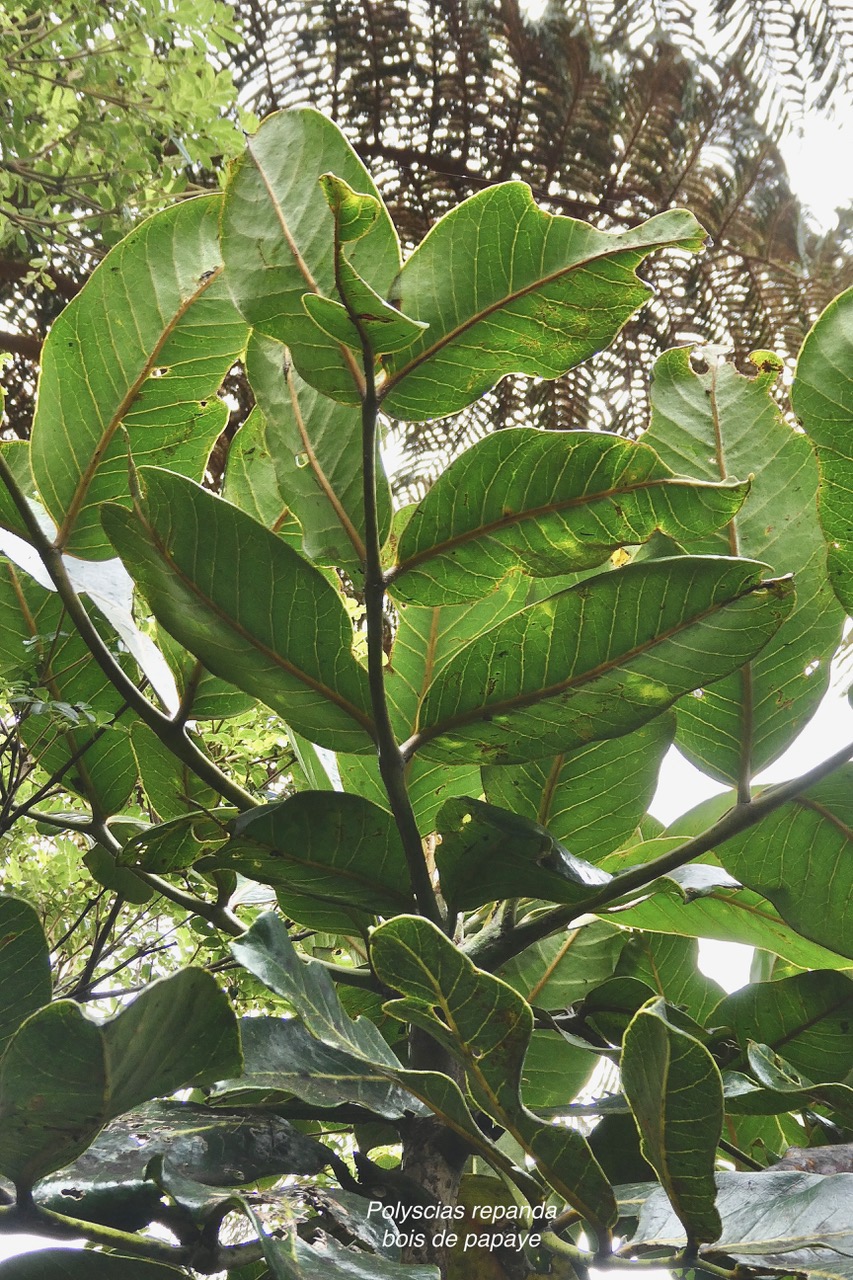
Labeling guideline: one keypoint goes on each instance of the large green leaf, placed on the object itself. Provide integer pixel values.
(73, 1264)
(144, 346)
(721, 424)
(315, 446)
(822, 396)
(278, 236)
(25, 965)
(806, 1019)
(487, 854)
(72, 702)
(247, 605)
(170, 785)
(283, 1060)
(561, 969)
(598, 659)
(335, 860)
(590, 799)
(777, 1219)
(676, 1095)
(800, 857)
(488, 1026)
(669, 965)
(179, 1031)
(53, 1081)
(546, 503)
(63, 1077)
(507, 288)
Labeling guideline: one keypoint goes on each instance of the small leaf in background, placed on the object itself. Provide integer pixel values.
(25, 965)
(253, 611)
(676, 1095)
(507, 288)
(716, 425)
(336, 861)
(822, 398)
(251, 482)
(487, 854)
(545, 503)
(598, 659)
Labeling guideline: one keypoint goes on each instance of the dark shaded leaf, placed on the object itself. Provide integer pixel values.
(25, 965)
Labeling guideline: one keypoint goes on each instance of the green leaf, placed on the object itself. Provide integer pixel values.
(507, 288)
(283, 1060)
(676, 1095)
(179, 1032)
(487, 854)
(777, 1219)
(781, 1088)
(822, 397)
(590, 799)
(807, 841)
(545, 503)
(145, 346)
(25, 965)
(251, 609)
(488, 1026)
(16, 454)
(805, 1018)
(105, 871)
(598, 660)
(52, 1085)
(170, 786)
(172, 846)
(267, 952)
(561, 969)
(336, 861)
(315, 445)
(72, 1264)
(41, 651)
(251, 482)
(278, 235)
(713, 426)
(555, 1071)
(669, 964)
(204, 696)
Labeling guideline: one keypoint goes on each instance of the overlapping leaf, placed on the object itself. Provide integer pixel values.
(717, 425)
(805, 1018)
(144, 346)
(68, 703)
(487, 854)
(250, 481)
(315, 445)
(561, 969)
(25, 965)
(590, 799)
(676, 1095)
(507, 288)
(807, 841)
(278, 236)
(822, 396)
(546, 503)
(488, 1026)
(598, 660)
(63, 1077)
(336, 861)
(247, 605)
